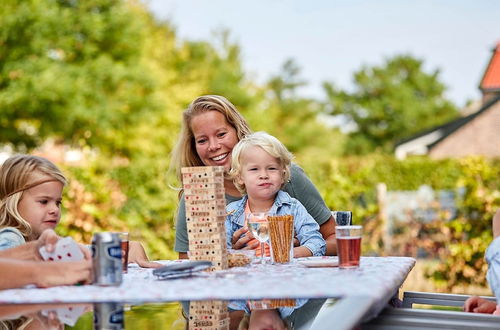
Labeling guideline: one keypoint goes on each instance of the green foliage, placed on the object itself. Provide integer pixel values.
(469, 234)
(349, 183)
(390, 102)
(68, 69)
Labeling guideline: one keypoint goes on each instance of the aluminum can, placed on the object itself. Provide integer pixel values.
(108, 316)
(342, 218)
(107, 259)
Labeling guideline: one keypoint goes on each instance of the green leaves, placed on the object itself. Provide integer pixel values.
(390, 102)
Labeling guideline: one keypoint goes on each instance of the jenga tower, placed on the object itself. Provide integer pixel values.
(206, 214)
(211, 315)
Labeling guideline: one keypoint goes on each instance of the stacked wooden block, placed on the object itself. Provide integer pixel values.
(205, 219)
(206, 214)
(211, 315)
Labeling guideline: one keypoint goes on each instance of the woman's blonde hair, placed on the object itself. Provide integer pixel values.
(270, 144)
(17, 174)
(184, 153)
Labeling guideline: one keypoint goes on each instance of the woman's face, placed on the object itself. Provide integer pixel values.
(214, 138)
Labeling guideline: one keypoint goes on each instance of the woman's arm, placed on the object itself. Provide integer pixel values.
(18, 273)
(181, 236)
(308, 233)
(327, 230)
(300, 187)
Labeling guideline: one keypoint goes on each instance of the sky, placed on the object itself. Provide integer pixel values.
(331, 39)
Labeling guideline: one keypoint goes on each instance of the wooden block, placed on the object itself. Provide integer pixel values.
(205, 213)
(208, 324)
(205, 230)
(216, 252)
(206, 194)
(207, 237)
(205, 247)
(209, 304)
(217, 227)
(206, 202)
(210, 240)
(217, 196)
(215, 179)
(202, 169)
(214, 219)
(208, 186)
(207, 208)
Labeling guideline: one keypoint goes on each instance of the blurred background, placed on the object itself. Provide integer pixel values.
(392, 110)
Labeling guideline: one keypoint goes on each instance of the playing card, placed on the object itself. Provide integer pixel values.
(69, 315)
(66, 249)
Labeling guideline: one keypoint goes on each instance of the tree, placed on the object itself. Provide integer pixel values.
(69, 69)
(390, 102)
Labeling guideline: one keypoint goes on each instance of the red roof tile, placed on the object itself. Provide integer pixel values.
(491, 78)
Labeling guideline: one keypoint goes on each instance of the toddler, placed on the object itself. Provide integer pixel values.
(260, 167)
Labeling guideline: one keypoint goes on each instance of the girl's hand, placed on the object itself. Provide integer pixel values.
(48, 238)
(238, 242)
(87, 255)
(137, 254)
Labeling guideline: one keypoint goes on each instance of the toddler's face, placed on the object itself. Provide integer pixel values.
(41, 206)
(261, 174)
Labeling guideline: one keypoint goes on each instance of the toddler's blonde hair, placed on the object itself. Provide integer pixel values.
(270, 144)
(17, 174)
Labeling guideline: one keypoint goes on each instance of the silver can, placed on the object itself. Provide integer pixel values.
(107, 259)
(108, 316)
(342, 218)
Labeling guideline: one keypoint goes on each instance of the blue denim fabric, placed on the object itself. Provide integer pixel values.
(493, 275)
(284, 311)
(306, 229)
(10, 237)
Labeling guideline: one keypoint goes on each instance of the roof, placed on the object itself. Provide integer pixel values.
(491, 77)
(437, 134)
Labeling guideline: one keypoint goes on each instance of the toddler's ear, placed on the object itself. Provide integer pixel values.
(240, 180)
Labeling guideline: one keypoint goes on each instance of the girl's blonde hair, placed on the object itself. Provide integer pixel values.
(270, 144)
(184, 153)
(17, 174)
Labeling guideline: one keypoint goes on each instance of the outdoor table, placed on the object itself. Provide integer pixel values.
(362, 292)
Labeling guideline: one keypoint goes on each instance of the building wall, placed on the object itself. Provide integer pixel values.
(481, 136)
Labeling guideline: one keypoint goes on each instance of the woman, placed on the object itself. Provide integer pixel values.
(211, 127)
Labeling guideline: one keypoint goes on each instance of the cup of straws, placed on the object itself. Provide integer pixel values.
(281, 237)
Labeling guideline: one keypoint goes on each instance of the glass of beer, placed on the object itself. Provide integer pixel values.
(124, 244)
(348, 245)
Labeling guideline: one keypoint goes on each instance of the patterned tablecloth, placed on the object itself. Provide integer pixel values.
(377, 278)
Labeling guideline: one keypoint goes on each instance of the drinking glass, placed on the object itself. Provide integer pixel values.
(349, 245)
(259, 227)
(124, 246)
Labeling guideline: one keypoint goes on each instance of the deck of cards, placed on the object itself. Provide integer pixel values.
(67, 315)
(66, 249)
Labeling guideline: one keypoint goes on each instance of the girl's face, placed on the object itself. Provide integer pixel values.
(214, 138)
(261, 174)
(41, 206)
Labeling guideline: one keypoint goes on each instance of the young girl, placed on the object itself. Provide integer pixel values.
(260, 167)
(30, 202)
(30, 199)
